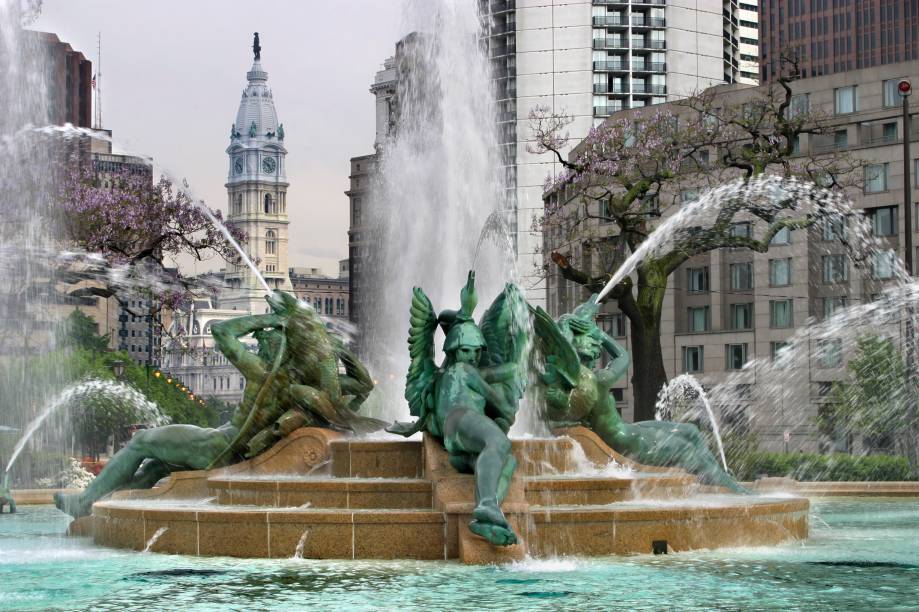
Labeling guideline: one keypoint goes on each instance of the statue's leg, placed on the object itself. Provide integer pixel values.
(148, 474)
(185, 445)
(471, 432)
(663, 445)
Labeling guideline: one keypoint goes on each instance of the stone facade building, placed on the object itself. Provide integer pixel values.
(329, 296)
(727, 307)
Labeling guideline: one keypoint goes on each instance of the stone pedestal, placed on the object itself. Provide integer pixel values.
(344, 498)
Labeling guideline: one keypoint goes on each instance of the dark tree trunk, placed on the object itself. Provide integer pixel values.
(648, 374)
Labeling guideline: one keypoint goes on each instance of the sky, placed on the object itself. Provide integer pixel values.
(173, 73)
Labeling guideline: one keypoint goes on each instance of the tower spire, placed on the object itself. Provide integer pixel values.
(256, 48)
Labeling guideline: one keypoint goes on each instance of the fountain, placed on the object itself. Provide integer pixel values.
(291, 473)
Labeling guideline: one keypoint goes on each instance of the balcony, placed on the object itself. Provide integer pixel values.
(649, 67)
(642, 43)
(504, 28)
(606, 111)
(610, 43)
(500, 6)
(507, 116)
(503, 50)
(611, 67)
(610, 20)
(606, 88)
(651, 2)
(648, 22)
(647, 88)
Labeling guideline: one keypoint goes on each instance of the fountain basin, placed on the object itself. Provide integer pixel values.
(337, 498)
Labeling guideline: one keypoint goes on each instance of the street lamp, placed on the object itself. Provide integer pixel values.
(117, 368)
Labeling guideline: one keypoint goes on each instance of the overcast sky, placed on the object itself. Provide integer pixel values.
(173, 72)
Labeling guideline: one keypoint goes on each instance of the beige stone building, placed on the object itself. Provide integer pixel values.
(329, 296)
(727, 307)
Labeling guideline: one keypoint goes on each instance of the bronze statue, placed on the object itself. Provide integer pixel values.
(256, 48)
(292, 382)
(470, 401)
(576, 394)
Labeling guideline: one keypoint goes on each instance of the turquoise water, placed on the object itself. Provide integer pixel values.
(861, 555)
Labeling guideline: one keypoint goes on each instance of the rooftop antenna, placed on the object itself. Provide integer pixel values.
(97, 83)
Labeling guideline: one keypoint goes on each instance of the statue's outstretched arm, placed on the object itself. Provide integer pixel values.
(619, 365)
(227, 334)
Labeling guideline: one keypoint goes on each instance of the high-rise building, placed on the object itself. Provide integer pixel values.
(69, 78)
(590, 59)
(257, 193)
(830, 36)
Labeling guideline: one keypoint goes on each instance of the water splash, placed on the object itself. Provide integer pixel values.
(301, 543)
(679, 392)
(439, 178)
(147, 410)
(156, 536)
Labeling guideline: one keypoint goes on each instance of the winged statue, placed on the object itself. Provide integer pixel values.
(577, 393)
(469, 401)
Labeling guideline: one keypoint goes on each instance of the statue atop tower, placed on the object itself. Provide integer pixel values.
(257, 193)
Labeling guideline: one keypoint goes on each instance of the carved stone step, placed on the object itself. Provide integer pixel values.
(352, 493)
(376, 459)
(275, 533)
(598, 490)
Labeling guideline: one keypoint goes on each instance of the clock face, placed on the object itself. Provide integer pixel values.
(269, 165)
(238, 165)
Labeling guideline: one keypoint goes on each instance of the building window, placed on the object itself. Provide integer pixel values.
(741, 230)
(876, 176)
(799, 105)
(697, 279)
(270, 243)
(268, 204)
(834, 227)
(829, 352)
(735, 356)
(742, 276)
(614, 325)
(841, 139)
(890, 132)
(780, 272)
(835, 269)
(883, 220)
(846, 99)
(691, 195)
(778, 354)
(693, 358)
(698, 319)
(781, 237)
(884, 264)
(832, 305)
(741, 316)
(780, 313)
(891, 93)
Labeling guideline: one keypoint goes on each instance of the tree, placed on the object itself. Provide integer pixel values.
(81, 331)
(127, 226)
(625, 171)
(874, 403)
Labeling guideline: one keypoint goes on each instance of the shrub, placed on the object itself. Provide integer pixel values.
(809, 466)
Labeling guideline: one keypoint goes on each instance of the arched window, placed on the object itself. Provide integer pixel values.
(195, 328)
(269, 204)
(238, 208)
(271, 244)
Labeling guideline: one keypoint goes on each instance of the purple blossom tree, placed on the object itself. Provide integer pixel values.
(627, 171)
(126, 226)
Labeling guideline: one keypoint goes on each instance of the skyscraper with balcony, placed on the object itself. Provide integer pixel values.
(591, 58)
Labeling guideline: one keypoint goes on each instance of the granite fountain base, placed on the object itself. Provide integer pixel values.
(322, 495)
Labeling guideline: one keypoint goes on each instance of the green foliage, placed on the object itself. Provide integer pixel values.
(810, 466)
(874, 403)
(81, 331)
